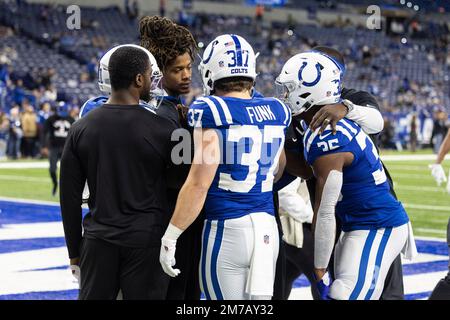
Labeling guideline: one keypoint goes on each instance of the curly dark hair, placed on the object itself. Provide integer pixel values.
(165, 39)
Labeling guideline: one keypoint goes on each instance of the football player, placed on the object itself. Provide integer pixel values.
(442, 289)
(436, 169)
(56, 128)
(174, 48)
(362, 108)
(104, 85)
(351, 183)
(238, 151)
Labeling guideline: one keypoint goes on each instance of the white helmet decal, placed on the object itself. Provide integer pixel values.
(228, 55)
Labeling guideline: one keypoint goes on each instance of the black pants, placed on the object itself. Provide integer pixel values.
(54, 155)
(186, 286)
(393, 285)
(301, 261)
(442, 289)
(107, 268)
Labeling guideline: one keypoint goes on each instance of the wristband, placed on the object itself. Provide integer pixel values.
(172, 232)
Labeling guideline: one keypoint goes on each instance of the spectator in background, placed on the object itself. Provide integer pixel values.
(50, 93)
(92, 68)
(18, 92)
(4, 128)
(46, 77)
(259, 15)
(439, 129)
(259, 12)
(162, 8)
(387, 135)
(56, 129)
(15, 133)
(29, 121)
(74, 113)
(413, 133)
(43, 114)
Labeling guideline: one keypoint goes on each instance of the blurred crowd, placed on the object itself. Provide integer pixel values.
(407, 70)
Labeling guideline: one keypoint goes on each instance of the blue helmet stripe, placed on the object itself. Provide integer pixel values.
(238, 50)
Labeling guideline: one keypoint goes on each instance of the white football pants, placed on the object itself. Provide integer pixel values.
(227, 252)
(362, 259)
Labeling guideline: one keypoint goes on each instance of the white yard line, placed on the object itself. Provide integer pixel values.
(394, 167)
(31, 230)
(426, 207)
(415, 188)
(24, 178)
(25, 165)
(443, 232)
(410, 157)
(21, 200)
(412, 176)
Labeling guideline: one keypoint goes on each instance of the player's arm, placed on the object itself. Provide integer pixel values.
(71, 188)
(192, 195)
(328, 172)
(361, 107)
(297, 166)
(444, 149)
(436, 169)
(280, 167)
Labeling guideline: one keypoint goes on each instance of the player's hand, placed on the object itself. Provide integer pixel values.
(323, 284)
(329, 114)
(182, 114)
(438, 173)
(44, 152)
(167, 257)
(75, 268)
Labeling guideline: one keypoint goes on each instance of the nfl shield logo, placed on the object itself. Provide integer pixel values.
(266, 239)
(221, 64)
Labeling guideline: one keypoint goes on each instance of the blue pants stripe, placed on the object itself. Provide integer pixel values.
(376, 271)
(363, 265)
(215, 255)
(204, 249)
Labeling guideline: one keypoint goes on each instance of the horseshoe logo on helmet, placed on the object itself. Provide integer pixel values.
(319, 68)
(211, 52)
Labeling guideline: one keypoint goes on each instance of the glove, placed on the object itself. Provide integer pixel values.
(323, 285)
(167, 257)
(438, 173)
(75, 271)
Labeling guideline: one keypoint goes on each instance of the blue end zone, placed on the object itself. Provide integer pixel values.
(17, 212)
(432, 247)
(7, 246)
(43, 295)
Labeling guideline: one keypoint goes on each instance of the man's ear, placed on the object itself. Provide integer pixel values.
(139, 80)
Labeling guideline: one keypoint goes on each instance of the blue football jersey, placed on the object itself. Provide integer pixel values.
(251, 133)
(365, 201)
(92, 104)
(96, 102)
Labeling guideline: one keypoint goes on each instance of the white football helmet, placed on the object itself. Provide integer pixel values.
(308, 79)
(228, 55)
(104, 82)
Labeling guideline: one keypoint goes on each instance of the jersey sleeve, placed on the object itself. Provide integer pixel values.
(201, 114)
(92, 104)
(285, 113)
(317, 145)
